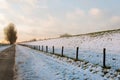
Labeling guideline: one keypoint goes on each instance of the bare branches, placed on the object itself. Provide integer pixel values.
(10, 33)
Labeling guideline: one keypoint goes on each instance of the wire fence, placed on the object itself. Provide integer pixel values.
(103, 58)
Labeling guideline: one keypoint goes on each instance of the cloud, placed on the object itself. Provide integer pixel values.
(21, 11)
(51, 25)
(4, 4)
(40, 27)
(31, 3)
(39, 18)
(115, 19)
(3, 19)
(51, 21)
(75, 14)
(95, 12)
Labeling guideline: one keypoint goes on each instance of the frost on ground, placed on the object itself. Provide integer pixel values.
(3, 47)
(34, 65)
(90, 47)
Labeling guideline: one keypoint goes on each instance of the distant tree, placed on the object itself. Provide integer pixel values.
(33, 40)
(66, 35)
(10, 33)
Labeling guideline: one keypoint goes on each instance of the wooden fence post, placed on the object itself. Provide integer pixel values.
(62, 50)
(34, 46)
(42, 47)
(53, 49)
(46, 49)
(104, 57)
(39, 48)
(77, 50)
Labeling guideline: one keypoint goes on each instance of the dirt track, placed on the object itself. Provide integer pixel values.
(7, 60)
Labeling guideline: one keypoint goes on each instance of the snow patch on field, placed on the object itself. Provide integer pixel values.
(34, 65)
(90, 48)
(3, 47)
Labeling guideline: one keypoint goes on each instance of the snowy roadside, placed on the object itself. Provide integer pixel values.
(35, 65)
(3, 47)
(109, 73)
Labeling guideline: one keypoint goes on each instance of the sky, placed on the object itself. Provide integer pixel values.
(51, 18)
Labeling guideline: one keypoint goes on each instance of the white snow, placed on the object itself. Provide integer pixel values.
(35, 65)
(90, 48)
(3, 47)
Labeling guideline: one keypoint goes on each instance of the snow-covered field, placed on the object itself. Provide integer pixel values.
(3, 47)
(90, 47)
(35, 65)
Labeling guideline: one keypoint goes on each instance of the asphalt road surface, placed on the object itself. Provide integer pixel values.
(7, 60)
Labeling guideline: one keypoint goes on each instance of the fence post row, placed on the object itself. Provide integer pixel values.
(104, 57)
(77, 50)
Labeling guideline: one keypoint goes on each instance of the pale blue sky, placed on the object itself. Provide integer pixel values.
(50, 18)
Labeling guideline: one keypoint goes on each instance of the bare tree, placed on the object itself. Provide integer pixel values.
(10, 33)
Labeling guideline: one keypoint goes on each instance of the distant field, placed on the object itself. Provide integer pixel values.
(90, 46)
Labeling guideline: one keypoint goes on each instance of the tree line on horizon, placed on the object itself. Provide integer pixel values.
(10, 32)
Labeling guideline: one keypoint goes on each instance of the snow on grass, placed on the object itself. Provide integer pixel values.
(34, 65)
(90, 48)
(3, 47)
(110, 74)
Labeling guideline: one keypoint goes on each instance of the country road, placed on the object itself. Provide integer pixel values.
(23, 63)
(7, 59)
